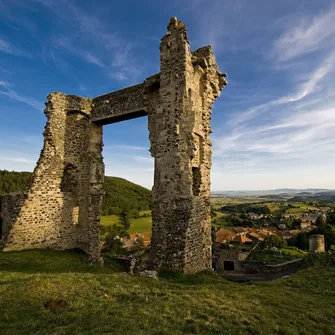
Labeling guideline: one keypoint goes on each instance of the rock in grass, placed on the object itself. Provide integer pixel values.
(149, 274)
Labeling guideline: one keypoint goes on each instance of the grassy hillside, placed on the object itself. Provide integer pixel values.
(49, 292)
(120, 195)
(124, 195)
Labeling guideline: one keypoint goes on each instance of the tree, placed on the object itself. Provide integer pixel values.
(302, 240)
(296, 222)
(319, 221)
(113, 243)
(331, 219)
(235, 220)
(274, 241)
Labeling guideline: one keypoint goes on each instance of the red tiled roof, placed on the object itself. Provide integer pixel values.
(255, 235)
(241, 239)
(224, 235)
(239, 230)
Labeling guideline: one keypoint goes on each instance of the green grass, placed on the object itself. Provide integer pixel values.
(293, 252)
(302, 208)
(140, 225)
(220, 220)
(109, 220)
(99, 300)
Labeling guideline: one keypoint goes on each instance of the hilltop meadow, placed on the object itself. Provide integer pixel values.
(50, 292)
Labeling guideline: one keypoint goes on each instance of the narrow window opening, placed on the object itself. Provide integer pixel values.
(69, 181)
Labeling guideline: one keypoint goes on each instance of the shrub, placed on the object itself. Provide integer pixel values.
(319, 259)
(274, 241)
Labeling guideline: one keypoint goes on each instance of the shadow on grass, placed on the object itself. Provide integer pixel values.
(200, 278)
(41, 261)
(50, 261)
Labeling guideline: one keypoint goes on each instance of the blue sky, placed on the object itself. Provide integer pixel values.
(274, 124)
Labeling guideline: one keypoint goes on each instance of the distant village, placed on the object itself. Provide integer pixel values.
(248, 235)
(232, 244)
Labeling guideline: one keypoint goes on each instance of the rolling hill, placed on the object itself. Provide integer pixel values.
(121, 194)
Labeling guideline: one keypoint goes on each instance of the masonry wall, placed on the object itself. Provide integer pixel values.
(9, 208)
(179, 125)
(224, 253)
(61, 208)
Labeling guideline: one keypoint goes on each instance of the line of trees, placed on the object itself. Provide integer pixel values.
(246, 208)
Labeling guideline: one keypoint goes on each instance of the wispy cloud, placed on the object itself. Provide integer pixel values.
(310, 34)
(90, 32)
(12, 94)
(143, 159)
(4, 70)
(9, 48)
(132, 147)
(17, 160)
(68, 44)
(302, 91)
(93, 59)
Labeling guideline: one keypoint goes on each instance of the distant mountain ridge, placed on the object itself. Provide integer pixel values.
(281, 192)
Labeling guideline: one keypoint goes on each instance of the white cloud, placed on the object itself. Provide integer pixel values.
(93, 59)
(308, 87)
(9, 48)
(120, 76)
(309, 35)
(131, 147)
(17, 160)
(11, 94)
(91, 32)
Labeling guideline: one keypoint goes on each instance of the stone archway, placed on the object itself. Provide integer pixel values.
(178, 103)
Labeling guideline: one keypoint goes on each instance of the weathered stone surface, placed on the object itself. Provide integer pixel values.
(10, 205)
(62, 209)
(179, 125)
(63, 205)
(120, 105)
(317, 243)
(149, 274)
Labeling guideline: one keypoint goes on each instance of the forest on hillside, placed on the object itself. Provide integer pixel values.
(120, 194)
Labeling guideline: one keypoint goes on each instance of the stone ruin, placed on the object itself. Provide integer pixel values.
(62, 207)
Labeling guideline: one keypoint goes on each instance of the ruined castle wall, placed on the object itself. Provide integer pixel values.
(88, 233)
(58, 203)
(9, 208)
(62, 208)
(179, 134)
(119, 105)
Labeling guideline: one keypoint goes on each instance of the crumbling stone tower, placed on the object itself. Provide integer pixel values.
(62, 208)
(179, 134)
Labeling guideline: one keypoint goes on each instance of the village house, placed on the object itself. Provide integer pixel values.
(305, 224)
(241, 239)
(311, 217)
(254, 237)
(135, 239)
(239, 230)
(224, 236)
(282, 226)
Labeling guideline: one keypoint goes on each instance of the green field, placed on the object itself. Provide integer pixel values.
(139, 225)
(303, 208)
(220, 220)
(50, 292)
(109, 220)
